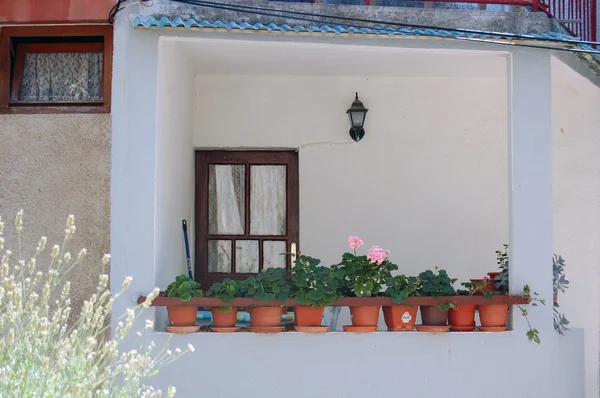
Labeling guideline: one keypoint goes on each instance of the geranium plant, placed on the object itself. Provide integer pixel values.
(312, 284)
(436, 283)
(470, 288)
(269, 284)
(226, 291)
(184, 288)
(364, 276)
(400, 287)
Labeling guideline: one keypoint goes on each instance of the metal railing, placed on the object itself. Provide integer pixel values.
(577, 17)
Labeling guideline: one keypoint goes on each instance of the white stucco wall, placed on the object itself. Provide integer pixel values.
(576, 134)
(440, 127)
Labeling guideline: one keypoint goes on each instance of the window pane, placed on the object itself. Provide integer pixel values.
(267, 200)
(226, 204)
(246, 256)
(62, 77)
(219, 256)
(274, 254)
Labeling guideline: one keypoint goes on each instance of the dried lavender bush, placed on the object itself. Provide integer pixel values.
(45, 351)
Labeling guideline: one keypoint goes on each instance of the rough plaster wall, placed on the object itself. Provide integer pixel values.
(576, 134)
(52, 166)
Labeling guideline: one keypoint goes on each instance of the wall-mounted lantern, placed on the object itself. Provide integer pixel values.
(357, 114)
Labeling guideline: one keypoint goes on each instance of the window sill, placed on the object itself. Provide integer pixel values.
(343, 302)
(54, 109)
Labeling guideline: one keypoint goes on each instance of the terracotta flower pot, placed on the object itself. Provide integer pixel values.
(463, 315)
(493, 315)
(431, 315)
(487, 288)
(305, 315)
(266, 316)
(182, 315)
(224, 319)
(364, 315)
(400, 317)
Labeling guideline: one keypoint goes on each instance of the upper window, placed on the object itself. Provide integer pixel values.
(55, 69)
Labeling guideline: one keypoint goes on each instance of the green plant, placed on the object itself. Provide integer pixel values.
(560, 283)
(532, 334)
(46, 350)
(269, 284)
(226, 291)
(401, 287)
(184, 288)
(436, 283)
(312, 284)
(471, 288)
(503, 263)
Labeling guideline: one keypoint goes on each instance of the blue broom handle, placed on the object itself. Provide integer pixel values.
(187, 249)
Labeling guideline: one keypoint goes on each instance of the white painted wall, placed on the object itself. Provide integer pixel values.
(440, 127)
(417, 184)
(576, 133)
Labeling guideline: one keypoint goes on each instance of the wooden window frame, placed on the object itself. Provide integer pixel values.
(9, 85)
(204, 158)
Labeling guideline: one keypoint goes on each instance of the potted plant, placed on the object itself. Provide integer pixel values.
(364, 276)
(500, 279)
(269, 284)
(400, 317)
(224, 318)
(314, 287)
(435, 283)
(462, 317)
(182, 318)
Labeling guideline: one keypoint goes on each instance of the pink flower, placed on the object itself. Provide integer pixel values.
(377, 254)
(355, 242)
(486, 278)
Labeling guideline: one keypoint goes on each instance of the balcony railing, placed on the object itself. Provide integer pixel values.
(578, 17)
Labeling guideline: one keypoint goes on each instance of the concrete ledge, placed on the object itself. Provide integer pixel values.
(348, 365)
(513, 22)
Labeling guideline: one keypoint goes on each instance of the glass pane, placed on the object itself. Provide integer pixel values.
(219, 256)
(226, 194)
(274, 254)
(246, 256)
(267, 200)
(62, 77)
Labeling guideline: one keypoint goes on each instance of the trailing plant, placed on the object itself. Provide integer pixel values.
(312, 284)
(47, 351)
(400, 287)
(532, 334)
(470, 288)
(560, 284)
(269, 284)
(184, 288)
(363, 276)
(503, 263)
(436, 283)
(226, 291)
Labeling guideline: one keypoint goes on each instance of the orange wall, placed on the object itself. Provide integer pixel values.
(23, 11)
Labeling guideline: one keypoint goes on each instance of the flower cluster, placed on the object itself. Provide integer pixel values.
(377, 255)
(46, 350)
(355, 242)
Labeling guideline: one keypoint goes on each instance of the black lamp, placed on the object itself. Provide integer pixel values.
(357, 114)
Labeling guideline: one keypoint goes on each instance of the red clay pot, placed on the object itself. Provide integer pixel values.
(266, 316)
(431, 315)
(400, 317)
(463, 315)
(182, 315)
(493, 315)
(364, 315)
(224, 319)
(306, 315)
(487, 288)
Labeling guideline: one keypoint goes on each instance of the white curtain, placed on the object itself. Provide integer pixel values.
(267, 200)
(62, 77)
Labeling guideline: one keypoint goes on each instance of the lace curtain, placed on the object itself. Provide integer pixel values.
(73, 77)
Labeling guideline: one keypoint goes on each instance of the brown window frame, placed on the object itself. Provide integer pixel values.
(204, 158)
(11, 77)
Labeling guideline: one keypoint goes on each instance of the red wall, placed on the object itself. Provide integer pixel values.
(22, 11)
